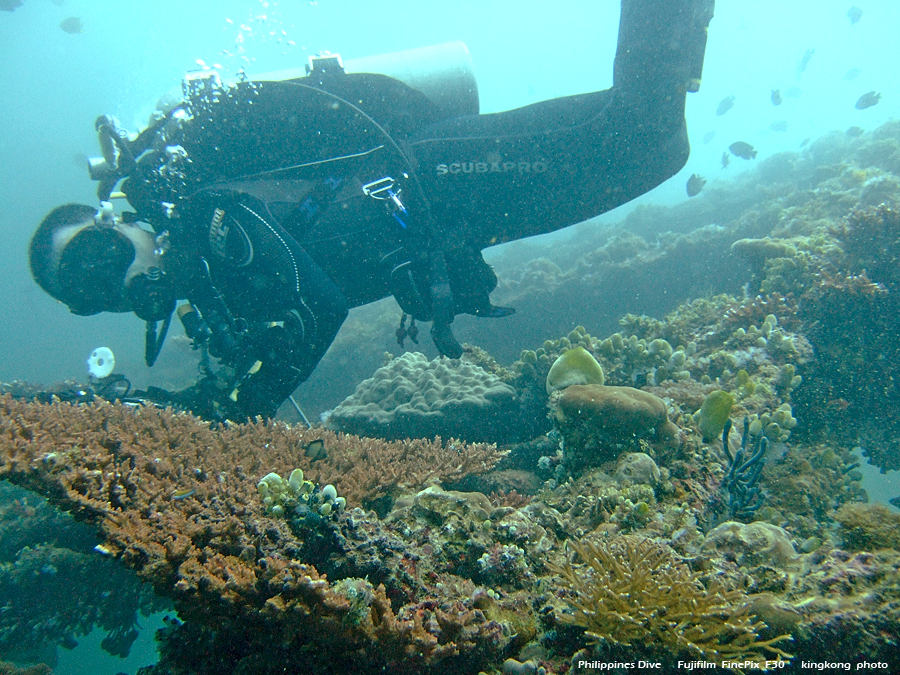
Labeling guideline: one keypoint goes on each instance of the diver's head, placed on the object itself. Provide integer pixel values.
(94, 262)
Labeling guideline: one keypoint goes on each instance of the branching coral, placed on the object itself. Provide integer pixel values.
(177, 501)
(632, 591)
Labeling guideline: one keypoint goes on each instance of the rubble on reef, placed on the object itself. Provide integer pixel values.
(585, 537)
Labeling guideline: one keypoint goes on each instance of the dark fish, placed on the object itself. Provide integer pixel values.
(708, 136)
(72, 25)
(801, 67)
(9, 5)
(742, 150)
(805, 141)
(854, 132)
(725, 160)
(776, 97)
(725, 105)
(695, 184)
(852, 74)
(315, 450)
(793, 92)
(780, 125)
(867, 100)
(855, 14)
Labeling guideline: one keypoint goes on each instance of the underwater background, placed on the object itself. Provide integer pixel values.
(118, 58)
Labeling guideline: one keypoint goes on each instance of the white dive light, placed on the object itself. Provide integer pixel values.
(101, 362)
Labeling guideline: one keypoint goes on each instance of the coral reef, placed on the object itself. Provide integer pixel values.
(574, 366)
(749, 544)
(740, 483)
(599, 422)
(786, 309)
(177, 502)
(412, 397)
(633, 591)
(869, 527)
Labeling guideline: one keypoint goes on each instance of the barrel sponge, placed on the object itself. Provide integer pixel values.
(598, 422)
(412, 397)
(574, 366)
(713, 414)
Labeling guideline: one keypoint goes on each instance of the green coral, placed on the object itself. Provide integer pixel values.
(574, 366)
(298, 497)
(713, 414)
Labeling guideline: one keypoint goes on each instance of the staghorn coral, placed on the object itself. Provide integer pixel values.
(633, 591)
(177, 501)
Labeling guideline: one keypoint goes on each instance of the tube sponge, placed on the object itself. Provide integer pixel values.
(574, 366)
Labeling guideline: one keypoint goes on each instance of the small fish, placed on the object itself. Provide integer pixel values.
(708, 136)
(780, 125)
(776, 97)
(804, 142)
(742, 150)
(725, 160)
(694, 184)
(73, 25)
(804, 62)
(793, 92)
(10, 5)
(854, 14)
(183, 493)
(852, 74)
(315, 450)
(725, 105)
(867, 100)
(854, 132)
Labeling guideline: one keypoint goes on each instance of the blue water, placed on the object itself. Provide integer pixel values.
(55, 84)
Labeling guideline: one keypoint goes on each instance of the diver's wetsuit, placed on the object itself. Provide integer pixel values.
(301, 199)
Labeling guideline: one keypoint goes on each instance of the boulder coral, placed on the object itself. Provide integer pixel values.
(599, 422)
(412, 397)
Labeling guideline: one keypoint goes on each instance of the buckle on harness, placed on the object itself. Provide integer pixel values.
(383, 190)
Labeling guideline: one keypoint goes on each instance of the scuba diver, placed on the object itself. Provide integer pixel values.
(272, 206)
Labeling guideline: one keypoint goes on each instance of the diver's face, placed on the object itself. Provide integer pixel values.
(100, 263)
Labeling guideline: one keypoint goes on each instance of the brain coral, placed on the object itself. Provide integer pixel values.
(414, 397)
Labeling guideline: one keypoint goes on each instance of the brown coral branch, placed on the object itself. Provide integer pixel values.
(632, 590)
(176, 500)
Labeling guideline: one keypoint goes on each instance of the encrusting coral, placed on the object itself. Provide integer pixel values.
(633, 591)
(177, 501)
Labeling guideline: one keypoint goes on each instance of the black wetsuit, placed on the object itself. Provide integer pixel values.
(301, 199)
